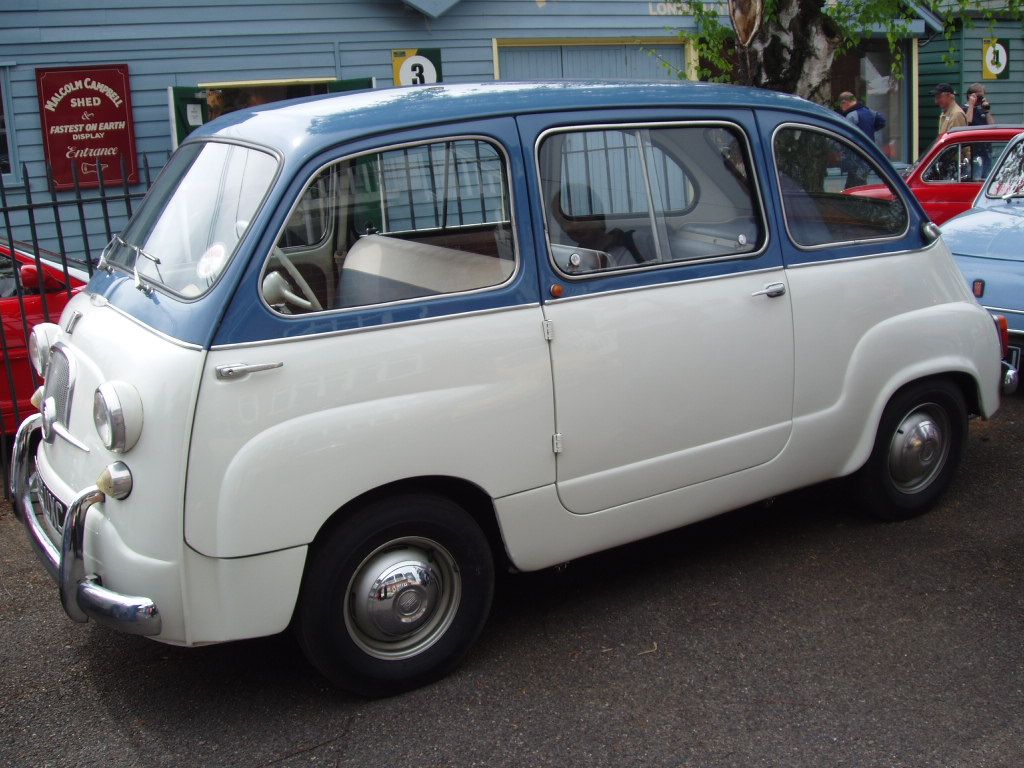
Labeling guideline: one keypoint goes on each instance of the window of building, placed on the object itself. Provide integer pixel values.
(818, 178)
(625, 198)
(413, 222)
(7, 159)
(867, 73)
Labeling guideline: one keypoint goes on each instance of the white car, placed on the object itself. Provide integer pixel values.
(354, 353)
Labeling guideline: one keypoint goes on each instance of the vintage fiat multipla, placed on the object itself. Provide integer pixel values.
(353, 353)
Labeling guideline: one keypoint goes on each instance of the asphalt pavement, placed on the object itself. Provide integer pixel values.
(790, 634)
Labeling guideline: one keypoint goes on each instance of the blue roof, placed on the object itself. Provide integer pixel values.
(300, 127)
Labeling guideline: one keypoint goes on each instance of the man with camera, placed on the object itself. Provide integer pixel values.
(979, 112)
(978, 109)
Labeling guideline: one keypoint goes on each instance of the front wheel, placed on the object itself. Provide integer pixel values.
(919, 445)
(396, 594)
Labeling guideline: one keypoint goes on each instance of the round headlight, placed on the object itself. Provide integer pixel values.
(39, 343)
(117, 413)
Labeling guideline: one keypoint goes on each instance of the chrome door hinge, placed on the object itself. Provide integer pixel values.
(549, 329)
(556, 442)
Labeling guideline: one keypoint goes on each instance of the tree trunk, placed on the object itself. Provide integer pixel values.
(792, 51)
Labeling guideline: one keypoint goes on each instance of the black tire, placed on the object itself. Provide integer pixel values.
(425, 571)
(920, 443)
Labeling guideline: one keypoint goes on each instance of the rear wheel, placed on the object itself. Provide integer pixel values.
(395, 595)
(919, 445)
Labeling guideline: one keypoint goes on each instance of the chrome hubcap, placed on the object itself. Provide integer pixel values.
(919, 448)
(402, 598)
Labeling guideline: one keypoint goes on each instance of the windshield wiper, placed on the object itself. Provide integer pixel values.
(141, 284)
(1012, 196)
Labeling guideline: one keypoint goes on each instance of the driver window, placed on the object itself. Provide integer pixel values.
(408, 223)
(952, 165)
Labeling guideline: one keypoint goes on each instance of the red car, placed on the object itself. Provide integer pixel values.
(947, 177)
(51, 289)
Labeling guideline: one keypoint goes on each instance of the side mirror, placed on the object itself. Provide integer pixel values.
(31, 280)
(930, 231)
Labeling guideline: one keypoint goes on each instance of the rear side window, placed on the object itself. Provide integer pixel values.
(642, 197)
(821, 180)
(405, 223)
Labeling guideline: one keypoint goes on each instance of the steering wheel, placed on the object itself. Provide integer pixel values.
(308, 301)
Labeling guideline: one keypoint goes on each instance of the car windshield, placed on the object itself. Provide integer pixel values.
(1008, 178)
(191, 222)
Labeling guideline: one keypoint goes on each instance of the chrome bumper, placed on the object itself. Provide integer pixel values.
(1009, 378)
(82, 595)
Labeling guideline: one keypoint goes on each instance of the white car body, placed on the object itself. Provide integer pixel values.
(579, 422)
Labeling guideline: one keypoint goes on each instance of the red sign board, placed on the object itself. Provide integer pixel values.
(87, 121)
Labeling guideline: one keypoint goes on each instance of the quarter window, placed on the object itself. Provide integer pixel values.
(627, 198)
(820, 179)
(407, 223)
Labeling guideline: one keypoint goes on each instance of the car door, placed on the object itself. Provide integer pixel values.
(670, 325)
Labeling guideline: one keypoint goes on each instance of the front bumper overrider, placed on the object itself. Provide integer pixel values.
(82, 594)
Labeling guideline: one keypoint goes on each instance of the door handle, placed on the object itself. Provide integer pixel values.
(772, 290)
(236, 371)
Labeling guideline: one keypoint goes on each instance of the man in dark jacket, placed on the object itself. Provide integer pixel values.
(978, 112)
(854, 110)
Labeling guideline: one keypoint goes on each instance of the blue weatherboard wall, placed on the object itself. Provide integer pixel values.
(182, 44)
(197, 41)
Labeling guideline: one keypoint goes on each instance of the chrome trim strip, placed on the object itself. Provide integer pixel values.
(1003, 311)
(64, 433)
(82, 595)
(154, 331)
(658, 286)
(648, 125)
(864, 256)
(878, 168)
(371, 328)
(390, 148)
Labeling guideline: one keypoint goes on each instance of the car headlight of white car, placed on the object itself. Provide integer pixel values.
(117, 413)
(39, 343)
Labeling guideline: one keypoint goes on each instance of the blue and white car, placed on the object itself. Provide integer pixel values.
(987, 242)
(354, 353)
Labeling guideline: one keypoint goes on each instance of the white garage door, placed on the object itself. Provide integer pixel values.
(547, 62)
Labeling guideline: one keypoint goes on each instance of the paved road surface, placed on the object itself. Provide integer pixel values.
(795, 635)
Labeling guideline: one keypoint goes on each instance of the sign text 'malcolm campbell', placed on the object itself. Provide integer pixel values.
(87, 124)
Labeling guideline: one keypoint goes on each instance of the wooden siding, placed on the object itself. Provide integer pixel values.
(1006, 96)
(185, 43)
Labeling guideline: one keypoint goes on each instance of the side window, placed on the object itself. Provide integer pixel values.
(951, 165)
(819, 206)
(7, 161)
(1008, 178)
(625, 198)
(964, 162)
(406, 223)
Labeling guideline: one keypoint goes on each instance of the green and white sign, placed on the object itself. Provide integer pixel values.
(995, 59)
(416, 66)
